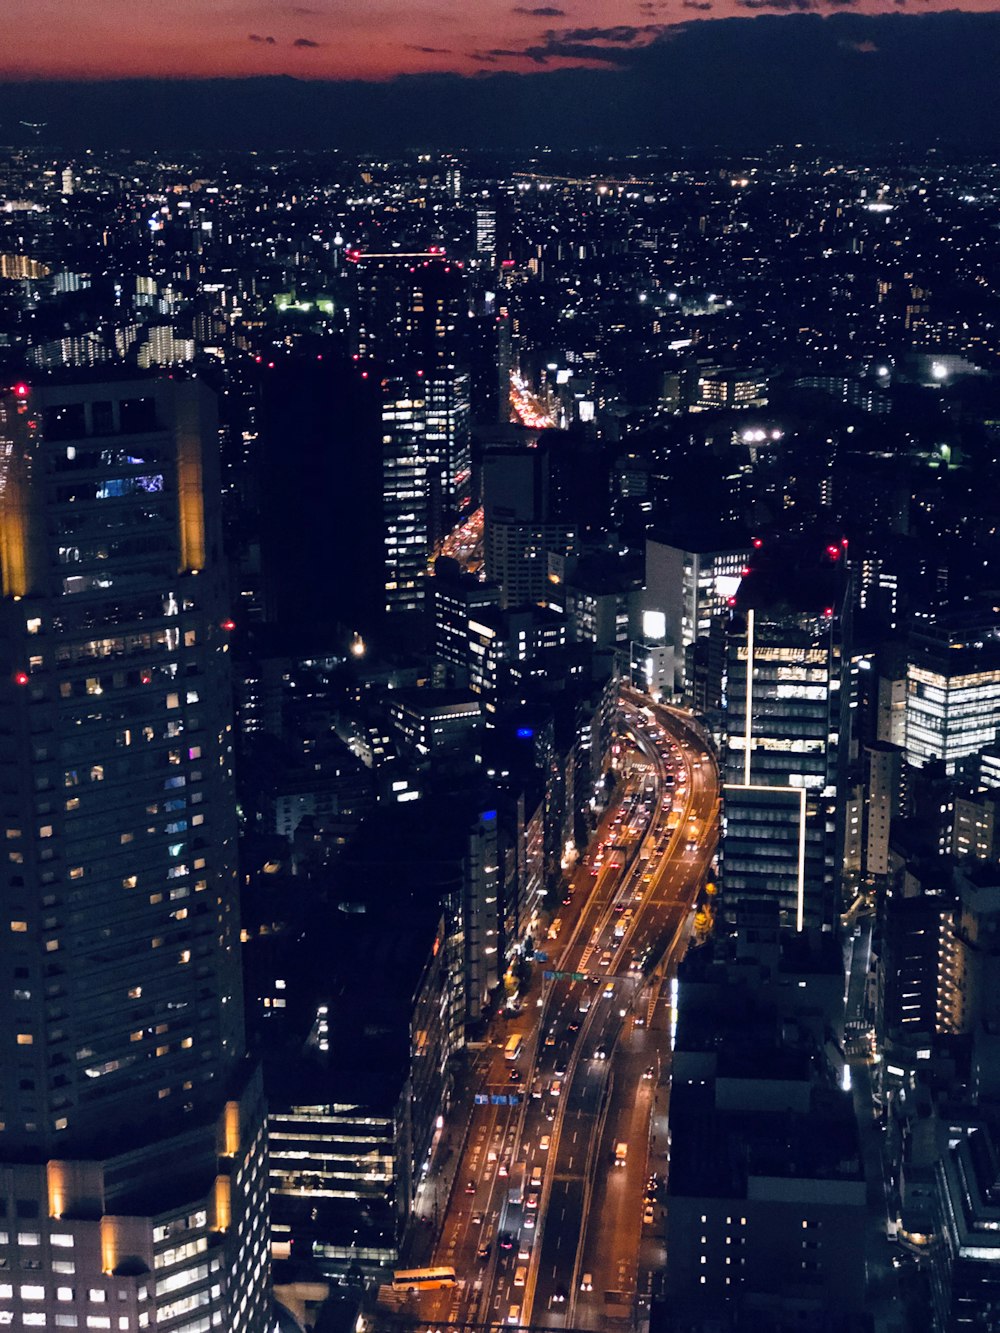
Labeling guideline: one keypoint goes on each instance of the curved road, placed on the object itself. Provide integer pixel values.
(522, 1252)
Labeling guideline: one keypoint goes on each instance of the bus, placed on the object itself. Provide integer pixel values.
(422, 1279)
(514, 1047)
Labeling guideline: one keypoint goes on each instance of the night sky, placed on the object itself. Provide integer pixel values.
(362, 39)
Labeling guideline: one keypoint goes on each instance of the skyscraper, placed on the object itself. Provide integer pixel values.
(785, 731)
(953, 688)
(132, 1163)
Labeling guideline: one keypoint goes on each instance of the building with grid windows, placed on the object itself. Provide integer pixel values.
(785, 721)
(132, 1151)
(952, 689)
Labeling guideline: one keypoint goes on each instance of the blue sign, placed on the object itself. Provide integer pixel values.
(525, 733)
(541, 957)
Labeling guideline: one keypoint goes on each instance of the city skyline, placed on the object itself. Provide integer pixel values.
(500, 717)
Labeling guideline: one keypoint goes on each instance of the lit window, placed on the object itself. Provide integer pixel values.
(25, 1039)
(19, 927)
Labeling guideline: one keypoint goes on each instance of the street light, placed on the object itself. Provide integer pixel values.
(357, 648)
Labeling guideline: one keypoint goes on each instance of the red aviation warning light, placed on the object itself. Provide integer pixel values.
(757, 543)
(828, 612)
(833, 552)
(228, 626)
(21, 389)
(21, 677)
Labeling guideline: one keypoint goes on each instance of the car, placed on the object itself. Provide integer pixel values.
(555, 1088)
(559, 1296)
(609, 991)
(483, 1253)
(470, 1187)
(524, 1251)
(560, 1066)
(532, 1200)
(601, 1053)
(514, 1076)
(543, 1145)
(503, 1169)
(650, 1070)
(572, 1027)
(619, 907)
(505, 1240)
(549, 1113)
(587, 1282)
(647, 1216)
(550, 1039)
(569, 897)
(477, 1219)
(515, 1314)
(529, 1222)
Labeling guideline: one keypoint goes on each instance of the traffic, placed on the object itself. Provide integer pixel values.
(562, 1117)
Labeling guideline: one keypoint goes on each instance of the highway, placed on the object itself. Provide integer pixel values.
(545, 1225)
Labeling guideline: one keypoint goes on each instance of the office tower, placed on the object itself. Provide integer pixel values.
(965, 1261)
(412, 440)
(766, 1195)
(320, 477)
(689, 581)
(411, 306)
(953, 688)
(522, 523)
(133, 1180)
(447, 404)
(486, 235)
(458, 599)
(785, 722)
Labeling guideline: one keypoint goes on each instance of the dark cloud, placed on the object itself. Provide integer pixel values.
(703, 5)
(542, 12)
(795, 83)
(306, 42)
(840, 4)
(262, 41)
(430, 50)
(623, 32)
(303, 13)
(863, 48)
(610, 46)
(782, 6)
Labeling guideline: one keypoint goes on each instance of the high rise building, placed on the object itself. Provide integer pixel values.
(486, 235)
(412, 442)
(690, 585)
(446, 398)
(785, 731)
(410, 305)
(953, 689)
(523, 523)
(132, 1161)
